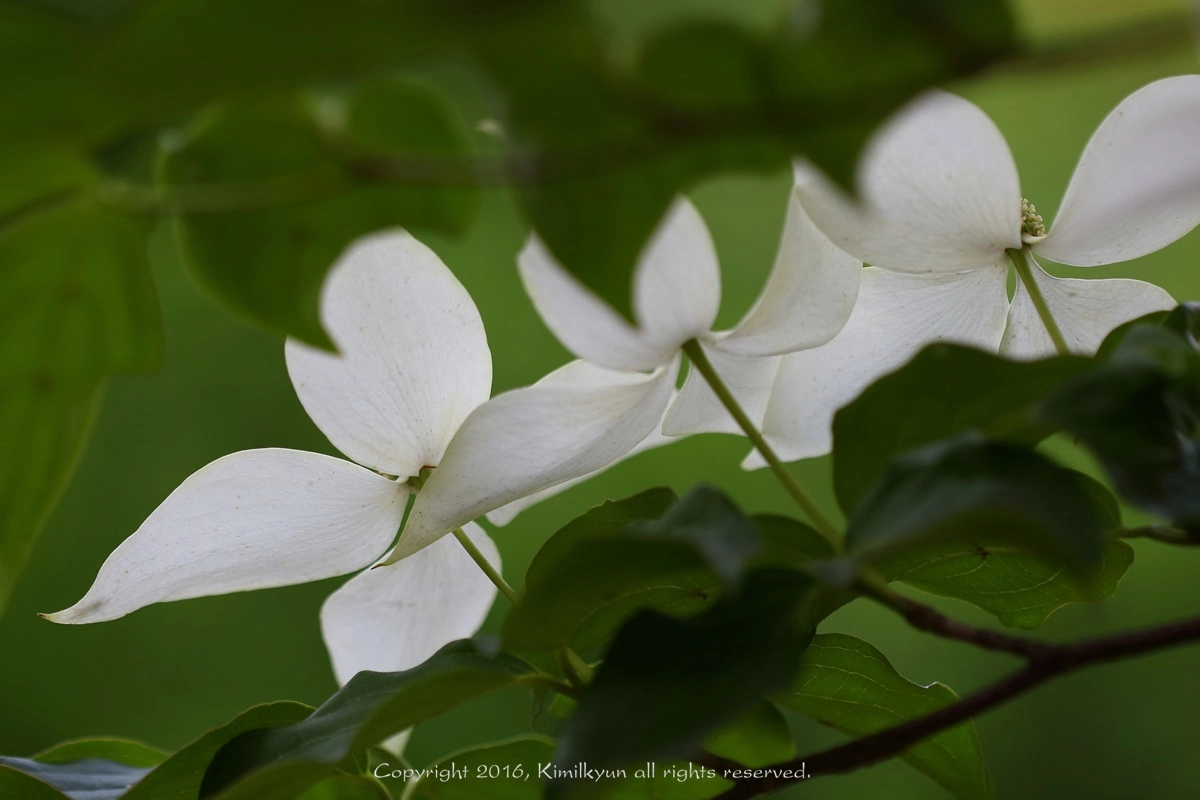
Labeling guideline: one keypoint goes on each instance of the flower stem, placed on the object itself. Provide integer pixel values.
(820, 521)
(494, 576)
(1024, 266)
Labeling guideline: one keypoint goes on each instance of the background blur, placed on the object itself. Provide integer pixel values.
(168, 673)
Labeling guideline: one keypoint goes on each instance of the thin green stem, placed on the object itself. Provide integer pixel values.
(1023, 262)
(700, 361)
(494, 576)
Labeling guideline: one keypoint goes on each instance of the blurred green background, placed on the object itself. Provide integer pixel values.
(170, 672)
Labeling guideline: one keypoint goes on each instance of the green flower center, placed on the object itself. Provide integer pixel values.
(1031, 222)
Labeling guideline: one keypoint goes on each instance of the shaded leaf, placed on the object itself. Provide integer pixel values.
(1140, 415)
(759, 737)
(666, 684)
(180, 775)
(122, 751)
(621, 557)
(960, 389)
(965, 490)
(76, 305)
(271, 193)
(847, 684)
(1021, 589)
(368, 709)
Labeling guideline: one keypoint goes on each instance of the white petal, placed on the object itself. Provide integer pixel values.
(677, 282)
(697, 409)
(939, 190)
(1086, 311)
(676, 293)
(250, 520)
(808, 297)
(527, 440)
(412, 358)
(584, 323)
(393, 618)
(507, 513)
(896, 315)
(1137, 186)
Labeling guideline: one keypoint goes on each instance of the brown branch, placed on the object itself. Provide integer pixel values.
(1051, 661)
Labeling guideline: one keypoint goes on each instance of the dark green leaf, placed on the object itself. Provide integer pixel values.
(666, 684)
(1020, 588)
(368, 709)
(847, 684)
(620, 557)
(76, 305)
(708, 521)
(346, 787)
(89, 779)
(759, 737)
(272, 193)
(17, 785)
(1140, 415)
(965, 490)
(123, 751)
(946, 390)
(181, 774)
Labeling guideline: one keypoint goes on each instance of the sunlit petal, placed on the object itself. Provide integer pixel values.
(1137, 186)
(579, 419)
(939, 190)
(897, 314)
(250, 520)
(395, 617)
(412, 358)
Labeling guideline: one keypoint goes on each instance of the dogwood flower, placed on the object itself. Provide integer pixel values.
(676, 296)
(941, 214)
(405, 397)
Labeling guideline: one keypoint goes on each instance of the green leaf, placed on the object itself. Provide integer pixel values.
(960, 389)
(708, 521)
(965, 490)
(1140, 415)
(759, 737)
(89, 779)
(181, 774)
(123, 751)
(76, 305)
(271, 193)
(1020, 588)
(666, 684)
(372, 706)
(621, 557)
(847, 684)
(17, 785)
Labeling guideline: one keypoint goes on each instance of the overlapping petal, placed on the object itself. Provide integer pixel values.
(1137, 186)
(939, 192)
(676, 294)
(575, 421)
(807, 298)
(698, 410)
(412, 358)
(395, 617)
(897, 314)
(250, 520)
(1085, 311)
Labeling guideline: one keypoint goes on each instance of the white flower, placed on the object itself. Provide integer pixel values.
(407, 391)
(676, 295)
(941, 207)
